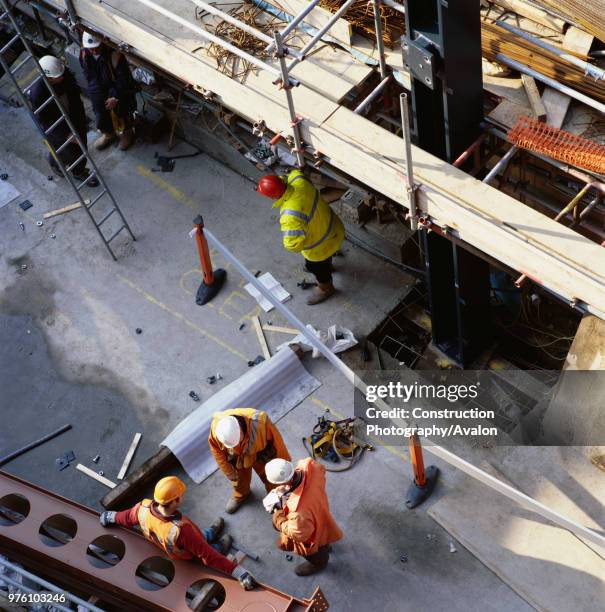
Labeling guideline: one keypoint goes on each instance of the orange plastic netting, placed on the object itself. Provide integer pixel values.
(566, 147)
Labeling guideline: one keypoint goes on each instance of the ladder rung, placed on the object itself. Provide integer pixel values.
(24, 91)
(97, 199)
(110, 239)
(44, 105)
(9, 43)
(68, 141)
(54, 125)
(20, 64)
(106, 217)
(70, 168)
(85, 181)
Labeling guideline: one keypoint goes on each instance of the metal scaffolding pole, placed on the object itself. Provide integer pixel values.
(364, 103)
(500, 165)
(241, 25)
(410, 188)
(297, 19)
(305, 50)
(286, 85)
(595, 72)
(379, 40)
(211, 37)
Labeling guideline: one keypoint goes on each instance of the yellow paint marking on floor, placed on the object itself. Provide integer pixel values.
(180, 317)
(390, 449)
(176, 193)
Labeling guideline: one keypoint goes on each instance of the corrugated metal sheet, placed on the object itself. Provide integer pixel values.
(276, 386)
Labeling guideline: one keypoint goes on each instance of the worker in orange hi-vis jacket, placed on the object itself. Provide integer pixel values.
(242, 440)
(162, 523)
(301, 512)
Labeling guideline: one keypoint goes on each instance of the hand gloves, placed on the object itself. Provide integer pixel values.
(107, 518)
(245, 578)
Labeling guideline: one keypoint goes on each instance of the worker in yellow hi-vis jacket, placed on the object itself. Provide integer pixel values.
(308, 225)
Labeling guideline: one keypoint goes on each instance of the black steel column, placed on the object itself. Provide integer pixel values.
(442, 49)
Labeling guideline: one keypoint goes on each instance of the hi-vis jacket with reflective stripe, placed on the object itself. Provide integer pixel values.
(163, 533)
(308, 225)
(260, 432)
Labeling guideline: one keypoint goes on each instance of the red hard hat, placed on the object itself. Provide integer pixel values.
(271, 186)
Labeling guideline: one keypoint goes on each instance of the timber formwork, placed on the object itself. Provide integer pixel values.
(73, 556)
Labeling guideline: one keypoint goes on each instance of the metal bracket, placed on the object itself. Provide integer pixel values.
(419, 59)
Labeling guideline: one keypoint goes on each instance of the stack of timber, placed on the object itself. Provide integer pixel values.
(495, 39)
(590, 14)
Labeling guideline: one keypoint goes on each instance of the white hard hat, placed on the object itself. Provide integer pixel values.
(279, 471)
(228, 431)
(90, 41)
(52, 66)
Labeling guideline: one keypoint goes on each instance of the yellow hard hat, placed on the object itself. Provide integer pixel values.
(168, 489)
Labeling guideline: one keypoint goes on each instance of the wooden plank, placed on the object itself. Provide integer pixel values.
(283, 330)
(129, 455)
(502, 227)
(65, 209)
(261, 338)
(131, 488)
(95, 476)
(555, 102)
(531, 89)
(317, 18)
(507, 113)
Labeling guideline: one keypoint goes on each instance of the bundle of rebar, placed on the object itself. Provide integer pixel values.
(495, 39)
(590, 14)
(230, 64)
(361, 16)
(558, 144)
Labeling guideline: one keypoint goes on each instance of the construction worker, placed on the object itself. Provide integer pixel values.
(162, 523)
(111, 90)
(242, 440)
(302, 514)
(66, 89)
(308, 225)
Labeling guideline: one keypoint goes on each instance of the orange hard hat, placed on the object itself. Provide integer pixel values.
(168, 489)
(271, 186)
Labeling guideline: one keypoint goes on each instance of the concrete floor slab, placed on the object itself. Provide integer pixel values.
(83, 362)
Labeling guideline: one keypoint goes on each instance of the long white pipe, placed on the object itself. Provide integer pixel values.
(438, 451)
(593, 71)
(341, 11)
(572, 93)
(240, 24)
(211, 37)
(297, 19)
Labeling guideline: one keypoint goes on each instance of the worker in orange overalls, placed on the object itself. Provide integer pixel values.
(180, 538)
(301, 512)
(242, 440)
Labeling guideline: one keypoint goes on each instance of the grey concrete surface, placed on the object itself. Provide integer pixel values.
(69, 353)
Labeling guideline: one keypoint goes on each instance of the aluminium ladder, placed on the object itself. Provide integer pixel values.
(73, 138)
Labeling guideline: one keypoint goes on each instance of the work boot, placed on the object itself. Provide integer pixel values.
(307, 568)
(82, 176)
(218, 526)
(233, 504)
(224, 544)
(104, 140)
(126, 139)
(321, 293)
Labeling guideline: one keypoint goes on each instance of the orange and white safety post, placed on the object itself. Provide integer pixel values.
(424, 480)
(212, 280)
